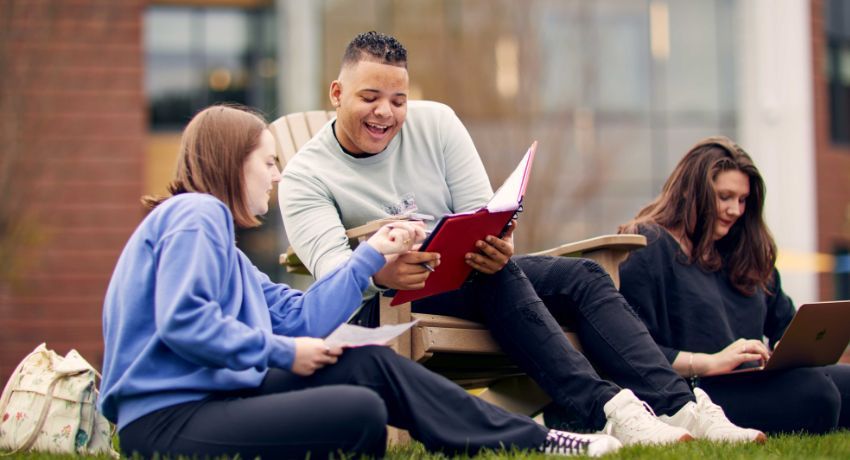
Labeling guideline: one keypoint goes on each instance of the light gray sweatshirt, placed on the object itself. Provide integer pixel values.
(430, 167)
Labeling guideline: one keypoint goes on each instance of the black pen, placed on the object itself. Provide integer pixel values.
(418, 216)
(426, 218)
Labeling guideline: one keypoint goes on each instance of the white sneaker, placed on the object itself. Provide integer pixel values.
(566, 443)
(632, 422)
(706, 420)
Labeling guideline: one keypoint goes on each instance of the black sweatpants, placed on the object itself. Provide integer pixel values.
(341, 408)
(810, 399)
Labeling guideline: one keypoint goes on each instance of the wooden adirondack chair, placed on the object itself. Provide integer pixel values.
(459, 349)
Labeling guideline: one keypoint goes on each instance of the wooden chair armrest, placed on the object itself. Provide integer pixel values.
(599, 243)
(357, 234)
(292, 262)
(607, 250)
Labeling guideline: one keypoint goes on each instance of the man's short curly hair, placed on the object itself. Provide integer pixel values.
(377, 47)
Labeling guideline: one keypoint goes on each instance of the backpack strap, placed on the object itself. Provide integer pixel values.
(7, 390)
(42, 417)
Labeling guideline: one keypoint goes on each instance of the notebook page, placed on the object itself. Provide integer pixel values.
(508, 196)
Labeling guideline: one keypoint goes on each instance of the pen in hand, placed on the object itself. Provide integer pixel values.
(424, 218)
(419, 216)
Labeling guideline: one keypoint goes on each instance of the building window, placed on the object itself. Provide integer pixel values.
(837, 20)
(198, 56)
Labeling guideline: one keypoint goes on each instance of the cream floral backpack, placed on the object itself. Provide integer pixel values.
(49, 405)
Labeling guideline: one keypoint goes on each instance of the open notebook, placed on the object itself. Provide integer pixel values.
(456, 234)
(817, 336)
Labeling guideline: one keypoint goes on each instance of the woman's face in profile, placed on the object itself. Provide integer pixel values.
(731, 190)
(260, 174)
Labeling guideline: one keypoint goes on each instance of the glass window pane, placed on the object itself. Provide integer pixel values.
(692, 68)
(838, 69)
(168, 30)
(225, 32)
(561, 37)
(621, 48)
(200, 56)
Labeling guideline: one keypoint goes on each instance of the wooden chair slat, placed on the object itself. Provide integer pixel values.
(316, 119)
(299, 129)
(286, 146)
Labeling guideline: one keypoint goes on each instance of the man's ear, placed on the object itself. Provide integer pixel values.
(335, 93)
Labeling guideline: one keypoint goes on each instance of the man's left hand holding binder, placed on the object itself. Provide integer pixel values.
(493, 253)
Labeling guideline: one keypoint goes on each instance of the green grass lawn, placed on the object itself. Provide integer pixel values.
(831, 446)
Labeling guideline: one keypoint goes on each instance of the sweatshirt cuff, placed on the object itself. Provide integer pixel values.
(282, 353)
(370, 257)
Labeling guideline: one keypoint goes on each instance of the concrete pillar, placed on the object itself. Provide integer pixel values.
(776, 127)
(299, 55)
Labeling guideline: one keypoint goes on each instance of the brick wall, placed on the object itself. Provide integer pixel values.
(72, 134)
(832, 162)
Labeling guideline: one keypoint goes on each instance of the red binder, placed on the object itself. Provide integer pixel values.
(456, 234)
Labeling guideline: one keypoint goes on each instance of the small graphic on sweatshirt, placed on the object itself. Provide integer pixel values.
(406, 205)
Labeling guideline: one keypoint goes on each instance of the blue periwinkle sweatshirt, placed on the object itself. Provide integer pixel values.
(186, 314)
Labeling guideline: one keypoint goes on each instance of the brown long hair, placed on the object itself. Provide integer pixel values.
(688, 203)
(212, 155)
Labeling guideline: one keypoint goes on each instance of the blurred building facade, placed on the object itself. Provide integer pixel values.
(831, 83)
(615, 91)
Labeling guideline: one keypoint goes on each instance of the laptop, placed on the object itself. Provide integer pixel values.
(817, 336)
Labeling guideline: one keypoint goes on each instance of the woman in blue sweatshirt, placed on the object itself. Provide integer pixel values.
(204, 355)
(708, 290)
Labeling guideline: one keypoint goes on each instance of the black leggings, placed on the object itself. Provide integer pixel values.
(812, 399)
(342, 408)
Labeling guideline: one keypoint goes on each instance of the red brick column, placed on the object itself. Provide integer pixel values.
(72, 137)
(832, 161)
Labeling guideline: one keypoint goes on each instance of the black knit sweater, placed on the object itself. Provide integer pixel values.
(687, 308)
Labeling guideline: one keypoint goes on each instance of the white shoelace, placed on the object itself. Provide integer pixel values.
(704, 406)
(713, 415)
(635, 417)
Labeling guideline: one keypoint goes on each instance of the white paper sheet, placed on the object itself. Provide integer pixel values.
(351, 336)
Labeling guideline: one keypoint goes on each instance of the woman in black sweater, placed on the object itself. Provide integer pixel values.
(708, 290)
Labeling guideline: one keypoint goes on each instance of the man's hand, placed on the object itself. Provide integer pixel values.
(312, 354)
(494, 253)
(405, 272)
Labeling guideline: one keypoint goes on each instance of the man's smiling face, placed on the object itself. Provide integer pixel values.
(371, 105)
